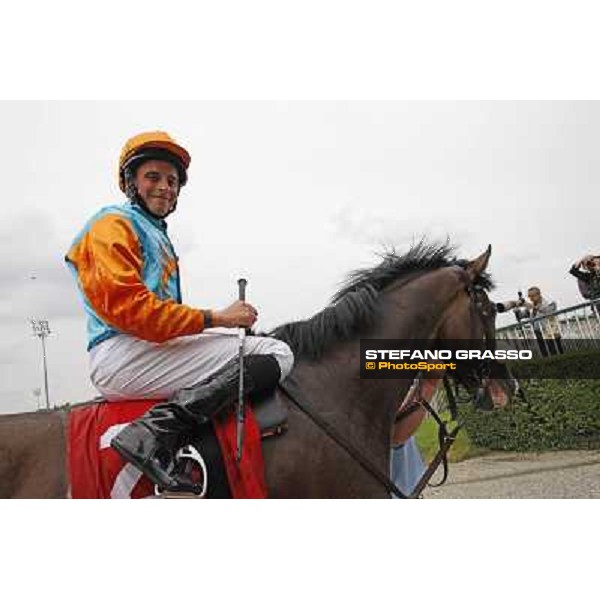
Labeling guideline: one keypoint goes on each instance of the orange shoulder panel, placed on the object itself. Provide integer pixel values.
(109, 265)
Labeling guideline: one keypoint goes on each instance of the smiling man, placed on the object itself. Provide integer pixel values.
(157, 183)
(143, 342)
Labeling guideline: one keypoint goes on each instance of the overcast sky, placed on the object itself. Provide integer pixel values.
(292, 196)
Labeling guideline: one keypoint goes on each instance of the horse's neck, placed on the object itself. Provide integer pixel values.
(362, 411)
(367, 407)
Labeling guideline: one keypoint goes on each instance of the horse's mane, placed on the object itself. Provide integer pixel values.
(354, 307)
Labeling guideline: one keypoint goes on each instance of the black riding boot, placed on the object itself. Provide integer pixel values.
(150, 442)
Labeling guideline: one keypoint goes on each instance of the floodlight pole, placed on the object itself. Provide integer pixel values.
(41, 329)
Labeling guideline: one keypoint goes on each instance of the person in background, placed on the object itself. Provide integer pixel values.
(587, 272)
(547, 330)
(407, 466)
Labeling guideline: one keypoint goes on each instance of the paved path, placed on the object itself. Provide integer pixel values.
(564, 474)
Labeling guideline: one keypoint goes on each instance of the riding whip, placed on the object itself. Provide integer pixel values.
(241, 414)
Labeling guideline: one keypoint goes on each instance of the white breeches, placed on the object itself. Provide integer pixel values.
(128, 367)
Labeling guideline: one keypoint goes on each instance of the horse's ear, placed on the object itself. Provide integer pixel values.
(477, 266)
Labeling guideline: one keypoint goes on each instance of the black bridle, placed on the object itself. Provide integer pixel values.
(474, 371)
(482, 371)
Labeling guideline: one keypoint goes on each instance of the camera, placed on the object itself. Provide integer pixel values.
(519, 307)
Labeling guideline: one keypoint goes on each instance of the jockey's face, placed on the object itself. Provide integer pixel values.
(157, 183)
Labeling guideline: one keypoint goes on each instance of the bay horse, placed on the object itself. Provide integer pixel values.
(424, 294)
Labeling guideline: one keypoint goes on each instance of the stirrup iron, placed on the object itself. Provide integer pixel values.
(191, 454)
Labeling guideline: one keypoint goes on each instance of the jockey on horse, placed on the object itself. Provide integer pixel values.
(142, 340)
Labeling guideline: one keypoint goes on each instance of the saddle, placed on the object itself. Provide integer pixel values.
(97, 471)
(211, 450)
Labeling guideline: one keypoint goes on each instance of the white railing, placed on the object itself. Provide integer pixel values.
(578, 327)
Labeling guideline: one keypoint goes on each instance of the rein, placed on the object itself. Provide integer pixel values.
(446, 439)
(292, 390)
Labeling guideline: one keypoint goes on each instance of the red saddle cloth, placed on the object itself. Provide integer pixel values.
(98, 471)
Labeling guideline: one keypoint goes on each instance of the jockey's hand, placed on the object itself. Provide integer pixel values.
(238, 314)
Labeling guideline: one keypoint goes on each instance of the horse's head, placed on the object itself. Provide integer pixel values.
(471, 319)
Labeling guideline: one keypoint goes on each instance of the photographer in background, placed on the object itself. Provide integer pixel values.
(547, 331)
(587, 272)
